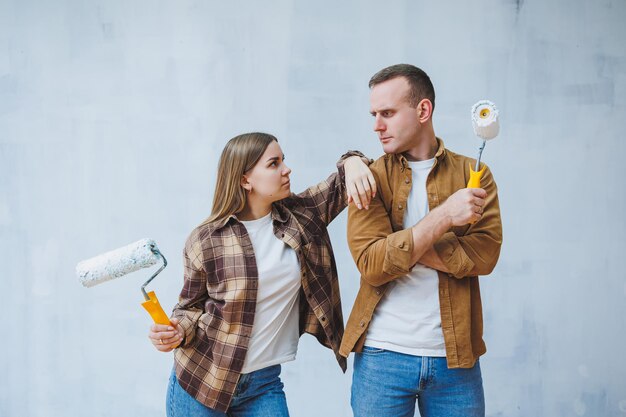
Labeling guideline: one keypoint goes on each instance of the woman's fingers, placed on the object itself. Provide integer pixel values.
(353, 193)
(372, 181)
(162, 334)
(361, 195)
(166, 345)
(165, 338)
(168, 340)
(360, 182)
(367, 198)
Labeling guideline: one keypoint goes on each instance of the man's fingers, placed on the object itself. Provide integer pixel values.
(478, 192)
(478, 202)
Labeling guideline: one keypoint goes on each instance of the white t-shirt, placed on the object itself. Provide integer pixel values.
(275, 335)
(407, 318)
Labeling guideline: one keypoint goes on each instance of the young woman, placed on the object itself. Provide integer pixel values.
(259, 272)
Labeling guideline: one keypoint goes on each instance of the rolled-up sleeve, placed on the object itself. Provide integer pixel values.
(380, 254)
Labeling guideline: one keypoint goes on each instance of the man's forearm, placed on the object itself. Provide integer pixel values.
(427, 231)
(431, 259)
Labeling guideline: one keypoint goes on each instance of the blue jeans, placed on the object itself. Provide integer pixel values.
(258, 394)
(387, 384)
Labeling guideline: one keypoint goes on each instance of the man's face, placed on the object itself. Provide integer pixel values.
(396, 122)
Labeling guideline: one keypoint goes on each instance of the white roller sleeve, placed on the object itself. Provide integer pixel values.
(117, 263)
(485, 120)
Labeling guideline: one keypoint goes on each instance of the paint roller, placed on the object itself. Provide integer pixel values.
(114, 264)
(486, 127)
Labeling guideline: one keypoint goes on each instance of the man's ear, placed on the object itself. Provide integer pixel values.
(245, 183)
(424, 110)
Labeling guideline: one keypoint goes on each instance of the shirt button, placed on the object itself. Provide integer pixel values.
(362, 323)
(377, 292)
(406, 180)
(401, 245)
(399, 206)
(323, 318)
(282, 235)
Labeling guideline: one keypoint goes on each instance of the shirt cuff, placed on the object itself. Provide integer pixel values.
(398, 254)
(188, 322)
(453, 255)
(348, 154)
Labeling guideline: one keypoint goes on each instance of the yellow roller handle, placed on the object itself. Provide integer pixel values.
(153, 307)
(475, 176)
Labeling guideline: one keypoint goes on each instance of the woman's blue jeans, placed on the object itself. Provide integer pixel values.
(388, 384)
(258, 394)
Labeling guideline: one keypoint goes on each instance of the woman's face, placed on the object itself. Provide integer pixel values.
(268, 180)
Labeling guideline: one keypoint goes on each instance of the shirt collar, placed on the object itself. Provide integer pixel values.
(439, 155)
(277, 215)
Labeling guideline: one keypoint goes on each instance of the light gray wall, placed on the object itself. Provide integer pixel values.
(112, 115)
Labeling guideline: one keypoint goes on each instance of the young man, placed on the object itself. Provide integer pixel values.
(416, 324)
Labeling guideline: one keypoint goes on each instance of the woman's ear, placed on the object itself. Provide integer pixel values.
(245, 183)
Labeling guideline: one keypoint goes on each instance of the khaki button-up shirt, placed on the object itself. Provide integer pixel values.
(382, 248)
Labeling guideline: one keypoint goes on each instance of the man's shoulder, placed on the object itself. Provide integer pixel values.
(383, 165)
(457, 166)
(459, 163)
(454, 156)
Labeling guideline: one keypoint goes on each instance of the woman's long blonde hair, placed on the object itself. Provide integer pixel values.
(240, 155)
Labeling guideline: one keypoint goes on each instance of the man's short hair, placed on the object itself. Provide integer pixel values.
(419, 82)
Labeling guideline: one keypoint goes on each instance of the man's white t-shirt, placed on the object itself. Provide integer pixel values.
(408, 318)
(275, 335)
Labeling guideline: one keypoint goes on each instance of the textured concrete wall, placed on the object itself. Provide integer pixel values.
(112, 115)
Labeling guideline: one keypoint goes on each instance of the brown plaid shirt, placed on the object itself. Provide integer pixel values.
(218, 300)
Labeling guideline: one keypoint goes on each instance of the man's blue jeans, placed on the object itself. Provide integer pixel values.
(387, 384)
(258, 394)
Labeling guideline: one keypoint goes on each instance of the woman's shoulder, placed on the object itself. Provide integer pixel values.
(292, 205)
(295, 208)
(208, 233)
